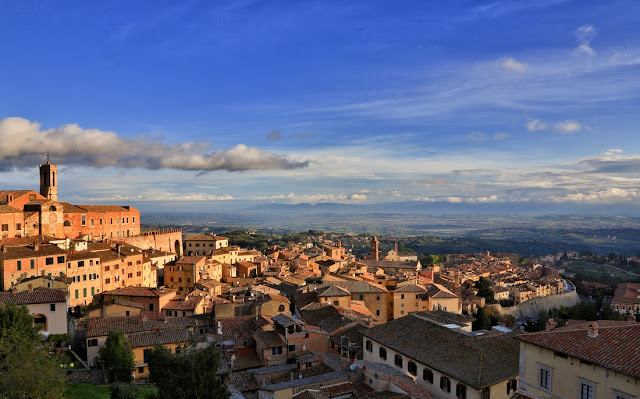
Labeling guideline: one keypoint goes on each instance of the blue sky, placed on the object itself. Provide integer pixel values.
(227, 103)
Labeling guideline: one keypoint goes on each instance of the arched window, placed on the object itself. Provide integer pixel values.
(52, 208)
(281, 308)
(67, 223)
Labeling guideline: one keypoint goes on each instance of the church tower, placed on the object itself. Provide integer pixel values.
(375, 251)
(48, 180)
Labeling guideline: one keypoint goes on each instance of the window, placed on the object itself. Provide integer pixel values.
(150, 306)
(83, 220)
(402, 305)
(76, 292)
(369, 346)
(281, 308)
(377, 298)
(398, 361)
(61, 259)
(111, 221)
(401, 296)
(93, 222)
(80, 263)
(100, 221)
(107, 281)
(587, 390)
(18, 226)
(145, 355)
(93, 292)
(544, 379)
(445, 384)
(427, 375)
(133, 220)
(52, 307)
(5, 227)
(48, 261)
(512, 386)
(33, 263)
(276, 351)
(84, 292)
(485, 393)
(140, 370)
(412, 368)
(292, 348)
(84, 277)
(361, 297)
(461, 391)
(378, 312)
(19, 265)
(383, 353)
(92, 342)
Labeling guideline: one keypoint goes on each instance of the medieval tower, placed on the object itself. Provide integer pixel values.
(48, 183)
(375, 250)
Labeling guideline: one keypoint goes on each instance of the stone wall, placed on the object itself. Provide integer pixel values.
(168, 240)
(532, 307)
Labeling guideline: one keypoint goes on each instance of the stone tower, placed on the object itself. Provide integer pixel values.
(48, 180)
(375, 251)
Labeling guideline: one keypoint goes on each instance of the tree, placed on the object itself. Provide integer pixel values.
(191, 373)
(484, 289)
(117, 358)
(26, 371)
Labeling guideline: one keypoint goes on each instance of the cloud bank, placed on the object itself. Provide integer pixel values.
(23, 142)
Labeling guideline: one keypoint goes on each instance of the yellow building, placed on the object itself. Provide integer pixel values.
(590, 360)
(142, 344)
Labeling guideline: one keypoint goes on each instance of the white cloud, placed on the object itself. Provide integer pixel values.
(604, 196)
(564, 127)
(24, 143)
(500, 136)
(510, 64)
(536, 125)
(567, 127)
(584, 35)
(477, 137)
(358, 197)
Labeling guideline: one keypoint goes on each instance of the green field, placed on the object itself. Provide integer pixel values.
(89, 391)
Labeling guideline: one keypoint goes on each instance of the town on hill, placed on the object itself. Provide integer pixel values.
(306, 315)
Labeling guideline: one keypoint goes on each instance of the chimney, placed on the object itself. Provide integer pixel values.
(592, 331)
(551, 324)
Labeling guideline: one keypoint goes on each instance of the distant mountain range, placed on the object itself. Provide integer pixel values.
(531, 208)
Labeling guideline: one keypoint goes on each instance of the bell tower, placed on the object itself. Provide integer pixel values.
(375, 250)
(48, 180)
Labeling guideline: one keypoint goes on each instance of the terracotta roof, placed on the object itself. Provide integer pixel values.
(9, 209)
(244, 380)
(105, 208)
(396, 264)
(205, 237)
(332, 291)
(285, 320)
(29, 252)
(140, 291)
(314, 316)
(39, 295)
(574, 341)
(439, 291)
(160, 337)
(269, 339)
(234, 327)
(190, 303)
(101, 326)
(356, 287)
(191, 259)
(411, 288)
(69, 208)
(476, 360)
(310, 394)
